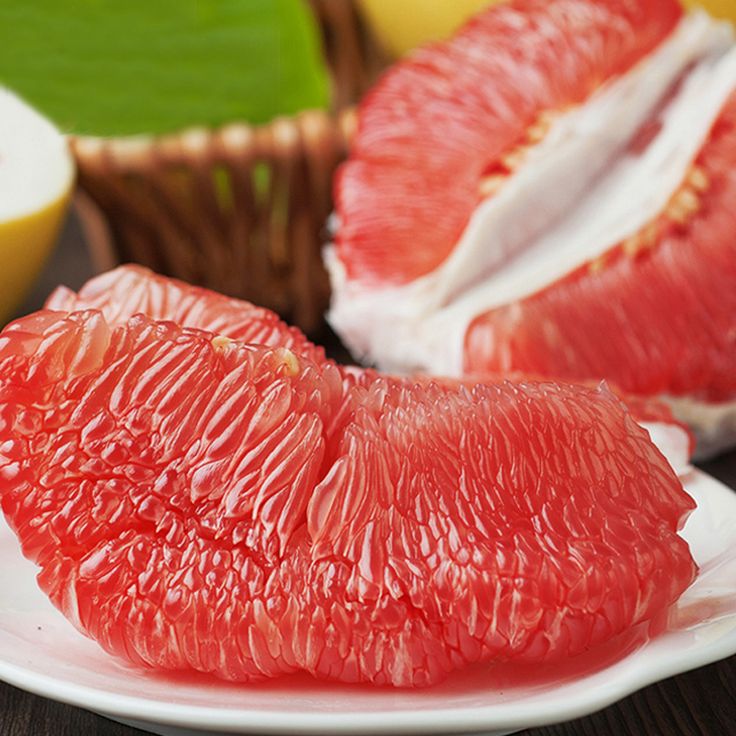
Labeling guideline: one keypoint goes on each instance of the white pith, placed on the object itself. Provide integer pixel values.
(36, 167)
(714, 424)
(578, 193)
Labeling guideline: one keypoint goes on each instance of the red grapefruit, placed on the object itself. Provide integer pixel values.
(550, 192)
(197, 503)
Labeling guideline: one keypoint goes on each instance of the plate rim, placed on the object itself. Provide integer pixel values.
(401, 721)
(407, 721)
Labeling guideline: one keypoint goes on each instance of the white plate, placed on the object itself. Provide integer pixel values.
(42, 653)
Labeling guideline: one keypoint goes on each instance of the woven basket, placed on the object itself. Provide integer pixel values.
(241, 209)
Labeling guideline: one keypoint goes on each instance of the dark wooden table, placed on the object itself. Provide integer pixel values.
(698, 703)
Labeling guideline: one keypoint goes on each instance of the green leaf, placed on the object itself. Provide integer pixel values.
(122, 67)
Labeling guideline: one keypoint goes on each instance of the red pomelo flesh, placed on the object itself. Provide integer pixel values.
(442, 118)
(131, 289)
(659, 321)
(237, 510)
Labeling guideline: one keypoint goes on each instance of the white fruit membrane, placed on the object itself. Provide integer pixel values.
(579, 193)
(36, 167)
(714, 424)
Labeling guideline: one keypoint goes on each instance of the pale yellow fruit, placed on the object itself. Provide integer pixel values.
(36, 179)
(717, 8)
(401, 25)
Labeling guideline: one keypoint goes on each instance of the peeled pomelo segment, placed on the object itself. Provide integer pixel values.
(195, 504)
(175, 475)
(534, 231)
(441, 119)
(464, 518)
(129, 290)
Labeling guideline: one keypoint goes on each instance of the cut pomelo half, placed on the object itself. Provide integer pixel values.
(549, 192)
(441, 122)
(131, 289)
(36, 180)
(195, 503)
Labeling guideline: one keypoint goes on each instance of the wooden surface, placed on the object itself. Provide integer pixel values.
(699, 703)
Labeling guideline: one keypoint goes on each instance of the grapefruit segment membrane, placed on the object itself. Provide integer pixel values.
(208, 505)
(132, 289)
(602, 171)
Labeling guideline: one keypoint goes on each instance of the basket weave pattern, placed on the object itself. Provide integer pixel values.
(241, 209)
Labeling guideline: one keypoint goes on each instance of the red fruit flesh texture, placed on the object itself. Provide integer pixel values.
(130, 289)
(661, 322)
(643, 409)
(157, 482)
(211, 508)
(441, 118)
